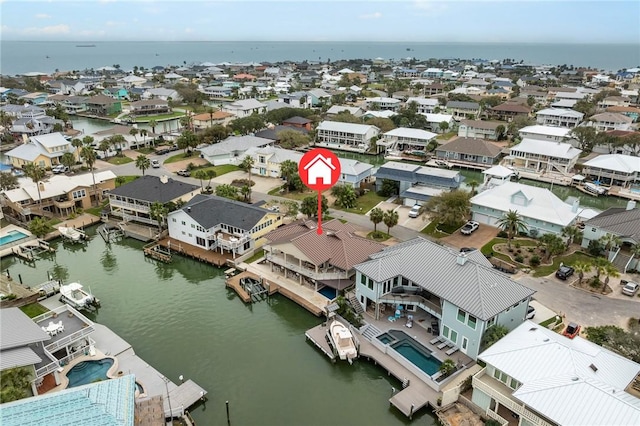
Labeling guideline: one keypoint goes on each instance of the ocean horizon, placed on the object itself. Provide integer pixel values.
(18, 57)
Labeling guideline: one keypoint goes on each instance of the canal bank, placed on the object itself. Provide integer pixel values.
(181, 319)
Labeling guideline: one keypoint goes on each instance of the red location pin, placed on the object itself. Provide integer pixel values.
(319, 170)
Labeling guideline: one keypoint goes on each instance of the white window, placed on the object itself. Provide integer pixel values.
(79, 194)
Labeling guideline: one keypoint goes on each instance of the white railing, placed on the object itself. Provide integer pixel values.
(131, 206)
(49, 368)
(497, 417)
(278, 260)
(69, 339)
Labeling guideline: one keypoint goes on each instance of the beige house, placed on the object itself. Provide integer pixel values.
(206, 120)
(43, 150)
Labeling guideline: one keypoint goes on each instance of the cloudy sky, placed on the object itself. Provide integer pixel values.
(608, 21)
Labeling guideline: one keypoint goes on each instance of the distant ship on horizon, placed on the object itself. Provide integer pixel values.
(85, 45)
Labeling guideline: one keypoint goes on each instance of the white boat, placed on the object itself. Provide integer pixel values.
(595, 189)
(74, 295)
(72, 234)
(342, 340)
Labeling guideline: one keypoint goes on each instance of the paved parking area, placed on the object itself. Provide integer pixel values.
(542, 312)
(416, 224)
(480, 237)
(262, 184)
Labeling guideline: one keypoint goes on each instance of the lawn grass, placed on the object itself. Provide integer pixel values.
(544, 270)
(159, 117)
(127, 179)
(33, 310)
(181, 156)
(298, 196)
(433, 231)
(221, 169)
(117, 160)
(364, 203)
(96, 211)
(447, 135)
(146, 151)
(378, 236)
(548, 322)
(257, 255)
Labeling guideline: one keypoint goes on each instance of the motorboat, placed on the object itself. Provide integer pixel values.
(75, 295)
(72, 234)
(342, 341)
(595, 189)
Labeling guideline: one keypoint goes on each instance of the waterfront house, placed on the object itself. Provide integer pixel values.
(405, 139)
(132, 201)
(383, 104)
(205, 120)
(434, 121)
(546, 133)
(41, 125)
(119, 93)
(298, 123)
(217, 92)
(299, 253)
(470, 151)
(461, 290)
(417, 183)
(463, 110)
(543, 378)
(43, 150)
(345, 136)
(129, 141)
(510, 110)
(102, 105)
(480, 129)
(220, 224)
(539, 208)
(620, 222)
(58, 194)
(424, 105)
(232, 150)
(542, 156)
(613, 169)
(161, 93)
(610, 121)
(149, 107)
(337, 109)
(559, 117)
(245, 107)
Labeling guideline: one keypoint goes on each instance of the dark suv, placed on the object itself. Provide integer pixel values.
(564, 272)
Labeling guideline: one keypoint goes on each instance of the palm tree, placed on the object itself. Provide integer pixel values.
(143, 163)
(116, 141)
(581, 268)
(473, 184)
(247, 165)
(610, 242)
(152, 124)
(512, 223)
(288, 169)
(158, 212)
(376, 215)
(68, 160)
(89, 156)
(202, 175)
(134, 132)
(599, 265)
(609, 271)
(246, 192)
(144, 133)
(572, 233)
(36, 173)
(390, 219)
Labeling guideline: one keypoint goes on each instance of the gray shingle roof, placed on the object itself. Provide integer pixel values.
(18, 357)
(618, 221)
(471, 146)
(150, 188)
(474, 287)
(17, 329)
(210, 210)
(463, 105)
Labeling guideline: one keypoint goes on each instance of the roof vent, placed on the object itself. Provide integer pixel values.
(188, 208)
(545, 339)
(533, 328)
(574, 379)
(461, 259)
(593, 367)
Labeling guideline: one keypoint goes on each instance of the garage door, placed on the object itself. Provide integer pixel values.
(483, 218)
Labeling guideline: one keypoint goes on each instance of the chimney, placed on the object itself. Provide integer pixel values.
(164, 178)
(575, 205)
(462, 258)
(41, 186)
(631, 205)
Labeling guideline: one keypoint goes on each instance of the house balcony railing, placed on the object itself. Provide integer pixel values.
(479, 383)
(49, 368)
(130, 206)
(412, 299)
(330, 273)
(232, 242)
(80, 334)
(66, 204)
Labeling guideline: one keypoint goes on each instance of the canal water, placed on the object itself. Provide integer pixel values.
(181, 319)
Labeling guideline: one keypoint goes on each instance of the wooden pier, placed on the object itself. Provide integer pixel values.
(275, 288)
(318, 336)
(194, 252)
(155, 251)
(234, 283)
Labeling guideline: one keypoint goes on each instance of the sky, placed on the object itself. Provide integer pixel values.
(550, 21)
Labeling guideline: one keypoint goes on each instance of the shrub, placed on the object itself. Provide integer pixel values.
(502, 234)
(519, 251)
(519, 259)
(510, 249)
(530, 249)
(595, 282)
(534, 261)
(518, 246)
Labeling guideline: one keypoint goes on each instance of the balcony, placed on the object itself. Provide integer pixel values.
(421, 299)
(502, 394)
(329, 273)
(231, 242)
(64, 204)
(130, 206)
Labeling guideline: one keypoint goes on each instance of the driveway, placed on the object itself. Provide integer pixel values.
(415, 223)
(480, 237)
(262, 184)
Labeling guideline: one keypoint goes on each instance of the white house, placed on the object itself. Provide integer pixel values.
(345, 136)
(337, 109)
(232, 150)
(559, 117)
(613, 169)
(542, 156)
(406, 139)
(383, 104)
(245, 107)
(542, 378)
(434, 121)
(545, 133)
(425, 105)
(539, 208)
(610, 121)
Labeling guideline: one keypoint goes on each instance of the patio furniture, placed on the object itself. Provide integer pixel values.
(435, 340)
(442, 345)
(452, 350)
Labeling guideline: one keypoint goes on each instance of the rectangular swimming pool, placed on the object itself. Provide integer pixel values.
(412, 350)
(328, 292)
(11, 237)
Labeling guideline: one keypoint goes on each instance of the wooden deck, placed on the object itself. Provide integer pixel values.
(184, 396)
(198, 253)
(234, 283)
(276, 288)
(317, 335)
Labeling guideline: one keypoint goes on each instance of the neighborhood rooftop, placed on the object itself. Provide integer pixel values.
(210, 210)
(152, 188)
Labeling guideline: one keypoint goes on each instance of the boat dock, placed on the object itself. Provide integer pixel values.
(234, 283)
(318, 336)
(198, 253)
(157, 252)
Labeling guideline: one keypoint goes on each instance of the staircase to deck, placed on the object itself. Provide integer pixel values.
(370, 331)
(356, 305)
(621, 261)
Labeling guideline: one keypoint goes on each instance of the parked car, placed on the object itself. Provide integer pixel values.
(162, 151)
(415, 211)
(564, 272)
(60, 168)
(572, 330)
(630, 289)
(184, 172)
(469, 227)
(531, 312)
(155, 164)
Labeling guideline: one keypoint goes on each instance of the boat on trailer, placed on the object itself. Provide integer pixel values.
(342, 341)
(75, 295)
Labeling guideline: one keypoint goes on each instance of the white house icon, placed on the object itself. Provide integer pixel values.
(319, 168)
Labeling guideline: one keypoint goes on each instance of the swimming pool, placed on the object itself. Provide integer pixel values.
(11, 237)
(328, 292)
(412, 350)
(88, 372)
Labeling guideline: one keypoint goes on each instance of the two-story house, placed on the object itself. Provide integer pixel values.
(43, 150)
(103, 105)
(345, 136)
(510, 110)
(337, 109)
(543, 156)
(298, 123)
(472, 151)
(559, 117)
(546, 133)
(245, 107)
(463, 110)
(461, 290)
(480, 129)
(149, 107)
(536, 377)
(383, 104)
(217, 92)
(610, 121)
(613, 169)
(424, 105)
(132, 201)
(404, 139)
(219, 224)
(206, 120)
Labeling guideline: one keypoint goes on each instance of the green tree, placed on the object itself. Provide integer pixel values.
(245, 191)
(610, 242)
(290, 139)
(200, 175)
(443, 126)
(104, 146)
(501, 132)
(8, 181)
(289, 172)
(134, 132)
(36, 173)
(390, 219)
(68, 160)
(600, 265)
(247, 165)
(144, 133)
(473, 184)
(572, 233)
(389, 188)
(447, 367)
(345, 196)
(376, 215)
(309, 206)
(609, 271)
(616, 339)
(89, 156)
(143, 163)
(581, 268)
(210, 174)
(187, 140)
(553, 245)
(227, 191)
(120, 180)
(40, 227)
(512, 223)
(449, 208)
(584, 135)
(384, 124)
(15, 384)
(492, 335)
(153, 124)
(158, 212)
(214, 134)
(117, 142)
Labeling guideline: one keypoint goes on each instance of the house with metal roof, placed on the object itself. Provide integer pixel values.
(435, 120)
(133, 200)
(220, 224)
(559, 117)
(623, 223)
(245, 107)
(543, 378)
(43, 150)
(107, 403)
(470, 151)
(480, 129)
(461, 290)
(299, 253)
(543, 157)
(345, 136)
(546, 133)
(613, 169)
(233, 149)
(383, 103)
(404, 139)
(424, 105)
(539, 208)
(337, 109)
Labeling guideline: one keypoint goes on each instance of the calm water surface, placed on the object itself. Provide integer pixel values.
(182, 320)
